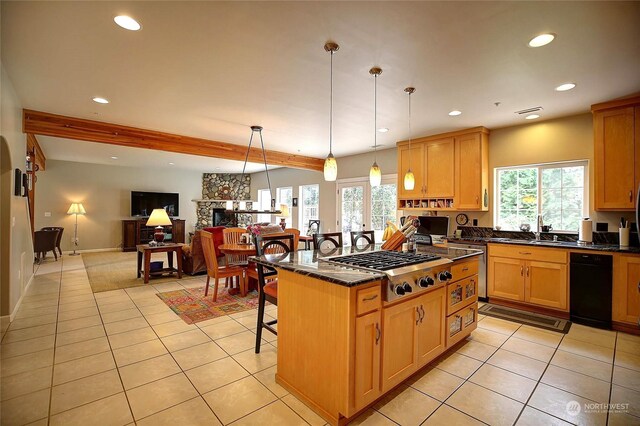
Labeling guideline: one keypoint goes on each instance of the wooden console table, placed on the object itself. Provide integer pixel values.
(145, 250)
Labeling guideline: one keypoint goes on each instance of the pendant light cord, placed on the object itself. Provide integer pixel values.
(264, 158)
(331, 109)
(409, 131)
(246, 158)
(375, 118)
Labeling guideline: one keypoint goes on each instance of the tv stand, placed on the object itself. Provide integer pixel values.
(135, 231)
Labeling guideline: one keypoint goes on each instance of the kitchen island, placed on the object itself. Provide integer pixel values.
(348, 336)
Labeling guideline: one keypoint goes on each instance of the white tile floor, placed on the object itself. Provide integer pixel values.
(72, 357)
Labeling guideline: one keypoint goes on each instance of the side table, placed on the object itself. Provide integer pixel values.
(144, 250)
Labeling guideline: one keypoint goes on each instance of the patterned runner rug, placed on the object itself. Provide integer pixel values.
(192, 306)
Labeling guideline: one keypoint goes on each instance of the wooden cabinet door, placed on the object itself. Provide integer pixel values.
(626, 289)
(506, 278)
(413, 158)
(615, 183)
(546, 284)
(430, 332)
(129, 233)
(178, 231)
(440, 168)
(367, 359)
(398, 343)
(469, 172)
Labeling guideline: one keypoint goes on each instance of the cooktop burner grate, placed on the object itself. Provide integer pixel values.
(383, 260)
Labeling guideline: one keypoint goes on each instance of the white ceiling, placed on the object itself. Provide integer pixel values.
(211, 69)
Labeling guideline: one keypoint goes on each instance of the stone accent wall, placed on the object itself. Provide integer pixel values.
(222, 186)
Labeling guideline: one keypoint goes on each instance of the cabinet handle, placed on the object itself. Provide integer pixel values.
(465, 269)
(631, 195)
(366, 299)
(638, 286)
(477, 200)
(527, 271)
(421, 316)
(418, 313)
(524, 252)
(521, 271)
(378, 333)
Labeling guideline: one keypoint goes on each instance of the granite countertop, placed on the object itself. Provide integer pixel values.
(309, 262)
(547, 243)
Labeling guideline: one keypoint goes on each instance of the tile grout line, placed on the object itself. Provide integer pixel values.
(55, 338)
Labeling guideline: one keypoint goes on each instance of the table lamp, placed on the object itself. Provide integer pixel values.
(76, 208)
(159, 218)
(284, 209)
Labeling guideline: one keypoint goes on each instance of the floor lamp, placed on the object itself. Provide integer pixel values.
(76, 209)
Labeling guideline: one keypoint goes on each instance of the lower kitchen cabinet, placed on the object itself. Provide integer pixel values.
(413, 336)
(626, 290)
(505, 277)
(368, 334)
(545, 284)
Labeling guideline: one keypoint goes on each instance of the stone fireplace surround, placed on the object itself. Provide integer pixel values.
(217, 188)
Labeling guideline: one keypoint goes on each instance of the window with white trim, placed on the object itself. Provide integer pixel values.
(309, 205)
(557, 191)
(284, 196)
(264, 203)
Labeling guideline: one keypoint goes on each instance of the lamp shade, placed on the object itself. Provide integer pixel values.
(330, 168)
(159, 217)
(284, 210)
(76, 208)
(409, 180)
(375, 175)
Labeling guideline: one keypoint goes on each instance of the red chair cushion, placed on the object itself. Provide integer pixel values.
(271, 289)
(218, 237)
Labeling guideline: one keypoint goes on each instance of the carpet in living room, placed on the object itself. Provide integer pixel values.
(112, 270)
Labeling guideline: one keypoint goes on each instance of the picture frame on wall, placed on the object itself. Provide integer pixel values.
(17, 182)
(294, 202)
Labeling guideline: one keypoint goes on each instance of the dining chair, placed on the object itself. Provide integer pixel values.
(60, 230)
(334, 238)
(314, 227)
(43, 242)
(216, 271)
(369, 237)
(252, 269)
(268, 277)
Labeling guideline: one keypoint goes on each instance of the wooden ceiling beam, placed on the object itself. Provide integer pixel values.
(43, 123)
(33, 146)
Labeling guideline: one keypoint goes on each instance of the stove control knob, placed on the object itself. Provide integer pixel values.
(426, 282)
(407, 287)
(444, 276)
(399, 290)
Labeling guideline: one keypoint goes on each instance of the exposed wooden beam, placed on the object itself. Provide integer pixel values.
(42, 123)
(34, 146)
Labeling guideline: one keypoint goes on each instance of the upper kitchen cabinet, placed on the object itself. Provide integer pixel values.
(616, 126)
(451, 171)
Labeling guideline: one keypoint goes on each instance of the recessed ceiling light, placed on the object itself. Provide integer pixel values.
(127, 22)
(455, 112)
(532, 117)
(564, 87)
(541, 40)
(171, 164)
(100, 100)
(114, 158)
(383, 130)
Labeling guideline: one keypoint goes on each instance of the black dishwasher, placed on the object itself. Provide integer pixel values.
(590, 289)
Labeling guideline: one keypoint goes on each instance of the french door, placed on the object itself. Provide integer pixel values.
(361, 207)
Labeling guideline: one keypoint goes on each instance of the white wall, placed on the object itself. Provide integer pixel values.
(348, 167)
(105, 192)
(17, 247)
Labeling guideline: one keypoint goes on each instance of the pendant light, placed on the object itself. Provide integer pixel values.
(375, 175)
(409, 178)
(330, 164)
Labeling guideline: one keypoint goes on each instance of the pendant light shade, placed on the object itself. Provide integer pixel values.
(375, 174)
(330, 168)
(330, 164)
(409, 178)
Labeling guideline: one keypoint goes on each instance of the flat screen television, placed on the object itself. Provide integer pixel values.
(143, 203)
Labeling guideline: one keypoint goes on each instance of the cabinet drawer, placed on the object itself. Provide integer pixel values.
(525, 252)
(461, 324)
(462, 293)
(368, 300)
(464, 270)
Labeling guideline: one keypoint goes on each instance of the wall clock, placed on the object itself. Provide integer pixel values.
(462, 219)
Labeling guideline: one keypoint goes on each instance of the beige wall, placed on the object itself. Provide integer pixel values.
(562, 139)
(105, 192)
(17, 247)
(348, 167)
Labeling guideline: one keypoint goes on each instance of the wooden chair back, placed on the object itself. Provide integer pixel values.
(60, 230)
(369, 237)
(232, 236)
(334, 238)
(296, 236)
(209, 251)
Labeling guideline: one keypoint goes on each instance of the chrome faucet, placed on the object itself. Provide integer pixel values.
(539, 228)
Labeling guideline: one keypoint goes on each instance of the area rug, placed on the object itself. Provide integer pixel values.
(192, 306)
(524, 317)
(113, 270)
